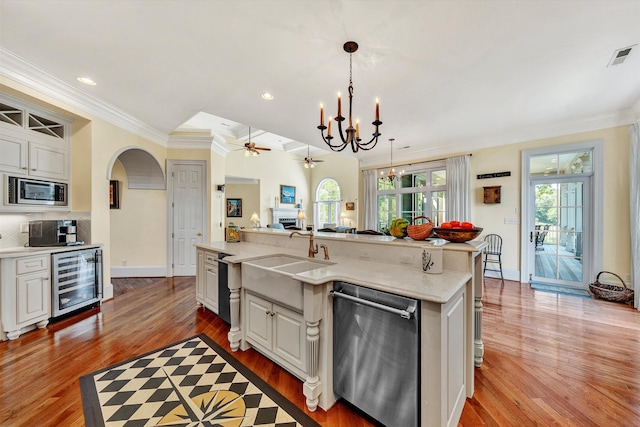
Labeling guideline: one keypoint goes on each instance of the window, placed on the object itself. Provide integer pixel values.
(421, 191)
(327, 204)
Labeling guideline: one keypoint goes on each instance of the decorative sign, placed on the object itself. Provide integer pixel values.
(493, 175)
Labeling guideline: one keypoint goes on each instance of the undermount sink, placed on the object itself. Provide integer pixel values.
(272, 277)
(275, 261)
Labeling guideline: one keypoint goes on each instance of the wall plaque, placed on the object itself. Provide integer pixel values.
(493, 175)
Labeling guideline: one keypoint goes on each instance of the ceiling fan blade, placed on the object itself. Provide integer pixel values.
(262, 148)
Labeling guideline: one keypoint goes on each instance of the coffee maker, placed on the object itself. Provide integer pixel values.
(53, 233)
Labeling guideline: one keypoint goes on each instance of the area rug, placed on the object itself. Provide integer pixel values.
(188, 383)
(564, 290)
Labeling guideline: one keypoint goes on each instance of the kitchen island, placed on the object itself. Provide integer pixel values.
(447, 309)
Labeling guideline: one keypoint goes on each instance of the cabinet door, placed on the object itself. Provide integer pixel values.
(13, 155)
(33, 299)
(200, 272)
(289, 336)
(48, 162)
(258, 319)
(211, 287)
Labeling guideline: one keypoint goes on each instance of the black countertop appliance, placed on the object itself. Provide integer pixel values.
(53, 233)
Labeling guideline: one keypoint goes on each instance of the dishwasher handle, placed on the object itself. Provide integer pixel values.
(405, 314)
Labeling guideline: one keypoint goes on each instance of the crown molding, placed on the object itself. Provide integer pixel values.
(17, 69)
(197, 142)
(515, 137)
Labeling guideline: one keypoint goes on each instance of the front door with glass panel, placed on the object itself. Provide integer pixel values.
(559, 238)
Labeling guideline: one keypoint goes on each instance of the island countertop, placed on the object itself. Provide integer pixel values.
(406, 280)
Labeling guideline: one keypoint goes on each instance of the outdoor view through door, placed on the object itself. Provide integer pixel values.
(559, 240)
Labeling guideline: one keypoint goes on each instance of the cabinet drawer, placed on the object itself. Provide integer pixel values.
(210, 257)
(31, 264)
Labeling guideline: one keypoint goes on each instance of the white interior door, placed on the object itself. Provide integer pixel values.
(188, 214)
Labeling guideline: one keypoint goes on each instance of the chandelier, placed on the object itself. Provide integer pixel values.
(391, 175)
(351, 136)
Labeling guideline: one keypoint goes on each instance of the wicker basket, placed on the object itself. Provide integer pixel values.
(420, 231)
(611, 292)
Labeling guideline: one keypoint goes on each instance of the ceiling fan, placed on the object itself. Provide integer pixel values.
(309, 162)
(250, 148)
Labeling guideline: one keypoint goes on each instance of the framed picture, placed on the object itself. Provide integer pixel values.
(287, 194)
(351, 206)
(234, 207)
(114, 194)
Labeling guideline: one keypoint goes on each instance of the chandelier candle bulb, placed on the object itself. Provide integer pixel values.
(377, 109)
(321, 114)
(357, 129)
(329, 129)
(339, 105)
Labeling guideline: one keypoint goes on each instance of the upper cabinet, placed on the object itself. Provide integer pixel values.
(34, 143)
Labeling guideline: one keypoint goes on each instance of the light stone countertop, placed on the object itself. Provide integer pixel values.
(29, 250)
(398, 279)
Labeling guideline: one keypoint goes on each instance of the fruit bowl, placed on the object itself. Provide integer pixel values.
(458, 235)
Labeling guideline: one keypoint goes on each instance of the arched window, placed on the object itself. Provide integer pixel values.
(326, 208)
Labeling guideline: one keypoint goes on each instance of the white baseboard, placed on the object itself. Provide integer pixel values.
(508, 274)
(139, 271)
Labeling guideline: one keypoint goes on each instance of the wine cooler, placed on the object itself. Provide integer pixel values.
(77, 280)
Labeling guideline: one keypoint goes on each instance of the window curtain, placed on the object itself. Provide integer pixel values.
(458, 183)
(634, 203)
(370, 208)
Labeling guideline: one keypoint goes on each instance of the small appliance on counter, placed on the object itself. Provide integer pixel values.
(53, 233)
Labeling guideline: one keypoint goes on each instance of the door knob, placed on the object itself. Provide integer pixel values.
(199, 233)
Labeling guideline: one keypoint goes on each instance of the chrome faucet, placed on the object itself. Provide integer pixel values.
(312, 250)
(326, 251)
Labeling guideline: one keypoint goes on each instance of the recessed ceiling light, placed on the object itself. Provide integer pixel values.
(266, 96)
(87, 81)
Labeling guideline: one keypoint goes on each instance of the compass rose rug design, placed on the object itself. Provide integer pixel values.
(193, 382)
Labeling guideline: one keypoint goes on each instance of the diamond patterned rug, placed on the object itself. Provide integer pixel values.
(188, 383)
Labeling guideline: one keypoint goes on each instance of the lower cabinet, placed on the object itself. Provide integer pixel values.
(278, 332)
(207, 279)
(26, 294)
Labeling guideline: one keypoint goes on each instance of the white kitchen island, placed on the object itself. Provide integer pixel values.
(448, 310)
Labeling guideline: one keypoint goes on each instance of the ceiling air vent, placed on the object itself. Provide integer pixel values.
(620, 55)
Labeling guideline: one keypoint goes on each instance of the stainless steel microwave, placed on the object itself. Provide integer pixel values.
(28, 191)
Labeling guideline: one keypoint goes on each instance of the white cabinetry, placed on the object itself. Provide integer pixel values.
(35, 159)
(25, 294)
(34, 143)
(207, 279)
(278, 332)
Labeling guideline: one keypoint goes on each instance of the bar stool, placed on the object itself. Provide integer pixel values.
(493, 254)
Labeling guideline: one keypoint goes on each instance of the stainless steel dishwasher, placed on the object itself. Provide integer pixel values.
(376, 353)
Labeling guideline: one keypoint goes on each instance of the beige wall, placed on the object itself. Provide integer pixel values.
(95, 143)
(345, 170)
(250, 195)
(617, 244)
(137, 234)
(617, 252)
(108, 141)
(272, 168)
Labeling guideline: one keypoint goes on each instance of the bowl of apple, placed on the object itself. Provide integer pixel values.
(457, 232)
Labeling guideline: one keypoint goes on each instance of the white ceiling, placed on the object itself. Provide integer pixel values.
(451, 76)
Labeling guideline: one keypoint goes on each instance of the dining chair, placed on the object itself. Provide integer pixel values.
(493, 254)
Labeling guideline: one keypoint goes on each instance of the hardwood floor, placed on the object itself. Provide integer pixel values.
(549, 359)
